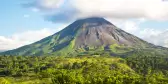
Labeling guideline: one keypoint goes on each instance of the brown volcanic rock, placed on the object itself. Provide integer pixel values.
(97, 32)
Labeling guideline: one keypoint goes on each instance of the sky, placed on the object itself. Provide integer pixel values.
(26, 21)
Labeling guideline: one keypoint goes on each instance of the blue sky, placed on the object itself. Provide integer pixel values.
(15, 18)
(26, 21)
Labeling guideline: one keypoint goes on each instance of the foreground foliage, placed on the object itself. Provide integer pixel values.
(83, 70)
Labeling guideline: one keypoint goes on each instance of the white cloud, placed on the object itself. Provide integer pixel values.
(130, 26)
(24, 38)
(158, 37)
(151, 9)
(50, 4)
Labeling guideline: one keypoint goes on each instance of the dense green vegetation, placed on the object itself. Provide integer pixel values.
(136, 69)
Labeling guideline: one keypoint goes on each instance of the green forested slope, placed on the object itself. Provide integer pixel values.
(83, 70)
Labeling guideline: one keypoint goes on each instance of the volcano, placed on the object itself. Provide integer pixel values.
(89, 34)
